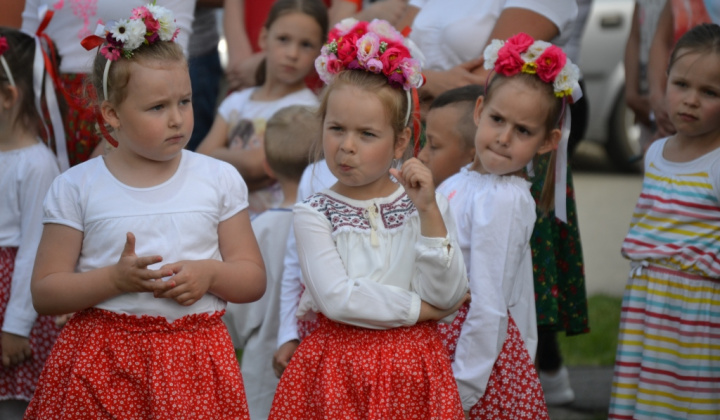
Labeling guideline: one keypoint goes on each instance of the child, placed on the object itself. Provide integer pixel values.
(517, 120)
(291, 39)
(27, 168)
(450, 132)
(667, 360)
(254, 327)
(378, 259)
(147, 340)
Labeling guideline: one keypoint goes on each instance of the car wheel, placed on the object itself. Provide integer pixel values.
(623, 145)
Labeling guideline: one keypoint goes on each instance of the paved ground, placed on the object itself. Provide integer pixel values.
(592, 395)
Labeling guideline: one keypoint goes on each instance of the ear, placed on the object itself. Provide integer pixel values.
(478, 109)
(262, 38)
(268, 170)
(9, 96)
(403, 139)
(551, 142)
(109, 114)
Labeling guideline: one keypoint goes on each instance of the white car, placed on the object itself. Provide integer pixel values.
(611, 122)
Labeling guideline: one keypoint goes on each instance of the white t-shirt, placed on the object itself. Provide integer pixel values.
(366, 264)
(177, 220)
(246, 119)
(495, 217)
(451, 32)
(25, 176)
(76, 19)
(254, 326)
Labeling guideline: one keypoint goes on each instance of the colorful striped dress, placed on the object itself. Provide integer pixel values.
(668, 358)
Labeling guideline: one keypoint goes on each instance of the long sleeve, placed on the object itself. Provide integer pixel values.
(38, 173)
(501, 227)
(440, 274)
(290, 290)
(357, 301)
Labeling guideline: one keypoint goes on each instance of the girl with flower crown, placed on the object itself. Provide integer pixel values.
(27, 168)
(379, 258)
(145, 245)
(519, 117)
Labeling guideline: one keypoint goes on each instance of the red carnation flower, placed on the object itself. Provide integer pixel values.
(508, 62)
(520, 42)
(550, 63)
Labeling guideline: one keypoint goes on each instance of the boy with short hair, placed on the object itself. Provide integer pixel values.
(289, 135)
(450, 132)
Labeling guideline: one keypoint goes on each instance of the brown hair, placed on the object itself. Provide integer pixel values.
(555, 105)
(289, 136)
(394, 100)
(463, 99)
(20, 57)
(316, 9)
(703, 39)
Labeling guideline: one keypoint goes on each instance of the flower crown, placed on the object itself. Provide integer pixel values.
(147, 25)
(521, 53)
(376, 47)
(3, 49)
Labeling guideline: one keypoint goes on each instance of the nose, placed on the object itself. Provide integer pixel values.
(503, 136)
(347, 144)
(292, 50)
(424, 153)
(691, 98)
(175, 117)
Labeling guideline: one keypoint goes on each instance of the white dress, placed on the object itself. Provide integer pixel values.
(495, 217)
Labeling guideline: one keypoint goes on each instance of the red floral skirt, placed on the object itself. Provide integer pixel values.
(513, 390)
(346, 372)
(81, 131)
(18, 382)
(109, 365)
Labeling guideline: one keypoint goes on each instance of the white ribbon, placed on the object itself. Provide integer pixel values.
(50, 99)
(561, 170)
(7, 70)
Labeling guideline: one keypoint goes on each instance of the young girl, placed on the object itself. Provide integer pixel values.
(668, 357)
(517, 120)
(378, 259)
(27, 168)
(291, 38)
(147, 339)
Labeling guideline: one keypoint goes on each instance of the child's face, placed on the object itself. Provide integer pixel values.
(155, 120)
(359, 143)
(445, 151)
(291, 43)
(511, 128)
(693, 95)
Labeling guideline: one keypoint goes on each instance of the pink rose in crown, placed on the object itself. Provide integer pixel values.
(334, 66)
(347, 48)
(374, 65)
(3, 45)
(152, 24)
(141, 13)
(550, 63)
(508, 62)
(520, 42)
(110, 52)
(360, 29)
(368, 47)
(392, 57)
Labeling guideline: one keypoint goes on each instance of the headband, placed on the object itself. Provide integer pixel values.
(3, 48)
(522, 54)
(375, 47)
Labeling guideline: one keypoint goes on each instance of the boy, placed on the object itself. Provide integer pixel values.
(289, 135)
(450, 132)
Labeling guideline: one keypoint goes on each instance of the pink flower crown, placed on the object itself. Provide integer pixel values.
(521, 53)
(147, 25)
(376, 47)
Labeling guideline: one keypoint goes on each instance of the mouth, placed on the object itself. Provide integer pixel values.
(496, 153)
(175, 139)
(686, 117)
(344, 167)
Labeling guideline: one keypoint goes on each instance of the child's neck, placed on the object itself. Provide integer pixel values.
(289, 189)
(273, 90)
(140, 173)
(680, 148)
(15, 136)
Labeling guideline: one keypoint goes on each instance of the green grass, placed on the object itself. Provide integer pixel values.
(596, 348)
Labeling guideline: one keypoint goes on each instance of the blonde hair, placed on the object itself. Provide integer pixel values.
(289, 136)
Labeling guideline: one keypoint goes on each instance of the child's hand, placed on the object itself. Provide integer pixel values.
(15, 349)
(282, 356)
(191, 282)
(418, 182)
(131, 275)
(431, 313)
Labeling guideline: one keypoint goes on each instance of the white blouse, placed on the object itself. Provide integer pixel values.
(365, 263)
(495, 217)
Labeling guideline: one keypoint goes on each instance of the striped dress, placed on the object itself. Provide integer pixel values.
(668, 357)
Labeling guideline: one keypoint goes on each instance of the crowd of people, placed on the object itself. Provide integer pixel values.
(368, 213)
